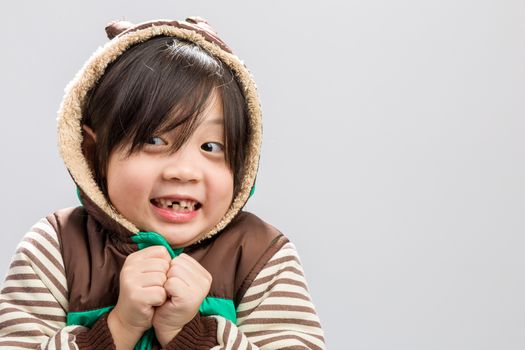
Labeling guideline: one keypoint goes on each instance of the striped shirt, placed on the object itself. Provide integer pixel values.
(276, 311)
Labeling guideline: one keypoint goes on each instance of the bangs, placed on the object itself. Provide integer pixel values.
(161, 85)
(168, 90)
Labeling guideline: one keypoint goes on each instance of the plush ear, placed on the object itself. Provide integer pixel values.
(116, 27)
(89, 145)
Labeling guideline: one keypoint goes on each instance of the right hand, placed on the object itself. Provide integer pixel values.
(142, 281)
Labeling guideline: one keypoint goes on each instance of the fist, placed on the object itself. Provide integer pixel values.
(142, 280)
(187, 284)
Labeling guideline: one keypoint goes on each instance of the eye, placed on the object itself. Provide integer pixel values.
(156, 141)
(212, 147)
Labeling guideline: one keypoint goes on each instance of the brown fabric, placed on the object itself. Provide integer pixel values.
(92, 259)
(97, 338)
(197, 24)
(199, 333)
(93, 256)
(120, 232)
(238, 252)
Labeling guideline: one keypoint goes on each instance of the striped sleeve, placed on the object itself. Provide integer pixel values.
(33, 300)
(276, 312)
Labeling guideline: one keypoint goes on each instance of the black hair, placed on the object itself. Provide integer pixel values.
(157, 86)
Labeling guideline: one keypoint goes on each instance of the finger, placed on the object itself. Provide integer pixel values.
(155, 296)
(176, 286)
(156, 251)
(154, 265)
(182, 269)
(192, 265)
(151, 279)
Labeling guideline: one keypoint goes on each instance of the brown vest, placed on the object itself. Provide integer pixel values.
(93, 256)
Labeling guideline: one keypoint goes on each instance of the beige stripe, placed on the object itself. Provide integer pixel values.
(19, 344)
(267, 279)
(52, 259)
(279, 307)
(23, 334)
(71, 337)
(284, 337)
(282, 321)
(46, 272)
(276, 294)
(282, 260)
(48, 317)
(42, 303)
(266, 332)
(47, 236)
(285, 279)
(26, 321)
(32, 290)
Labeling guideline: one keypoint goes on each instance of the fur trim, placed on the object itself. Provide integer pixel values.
(70, 115)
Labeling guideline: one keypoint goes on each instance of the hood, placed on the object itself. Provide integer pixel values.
(122, 36)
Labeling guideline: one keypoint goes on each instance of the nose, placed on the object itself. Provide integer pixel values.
(183, 166)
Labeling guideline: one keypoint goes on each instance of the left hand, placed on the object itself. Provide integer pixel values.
(187, 285)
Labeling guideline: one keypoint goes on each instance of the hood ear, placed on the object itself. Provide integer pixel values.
(89, 145)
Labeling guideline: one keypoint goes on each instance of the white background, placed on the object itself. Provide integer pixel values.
(393, 151)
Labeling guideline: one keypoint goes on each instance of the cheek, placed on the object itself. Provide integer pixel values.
(223, 186)
(126, 183)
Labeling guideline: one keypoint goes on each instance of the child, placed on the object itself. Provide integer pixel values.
(161, 132)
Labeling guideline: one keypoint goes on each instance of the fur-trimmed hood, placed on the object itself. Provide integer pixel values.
(123, 35)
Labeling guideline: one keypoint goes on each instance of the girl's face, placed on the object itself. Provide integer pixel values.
(182, 195)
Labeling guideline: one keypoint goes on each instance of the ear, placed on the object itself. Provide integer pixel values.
(89, 145)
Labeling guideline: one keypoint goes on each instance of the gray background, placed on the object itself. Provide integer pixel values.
(393, 150)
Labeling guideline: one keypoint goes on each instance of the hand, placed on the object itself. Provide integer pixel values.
(142, 280)
(187, 285)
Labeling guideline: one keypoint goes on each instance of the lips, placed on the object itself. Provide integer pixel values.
(176, 209)
(176, 203)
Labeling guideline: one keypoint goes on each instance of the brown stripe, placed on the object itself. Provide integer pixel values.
(276, 308)
(226, 333)
(20, 344)
(276, 294)
(19, 263)
(47, 236)
(282, 260)
(238, 339)
(25, 290)
(46, 253)
(23, 334)
(43, 303)
(277, 243)
(48, 317)
(26, 320)
(274, 320)
(266, 279)
(263, 333)
(282, 337)
(286, 281)
(22, 276)
(58, 341)
(48, 274)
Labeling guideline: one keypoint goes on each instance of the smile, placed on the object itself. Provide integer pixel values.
(183, 205)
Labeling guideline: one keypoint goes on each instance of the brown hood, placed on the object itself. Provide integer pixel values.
(123, 35)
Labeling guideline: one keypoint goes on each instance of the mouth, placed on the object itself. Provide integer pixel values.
(178, 205)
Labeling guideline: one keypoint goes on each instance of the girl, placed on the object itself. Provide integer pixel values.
(161, 132)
